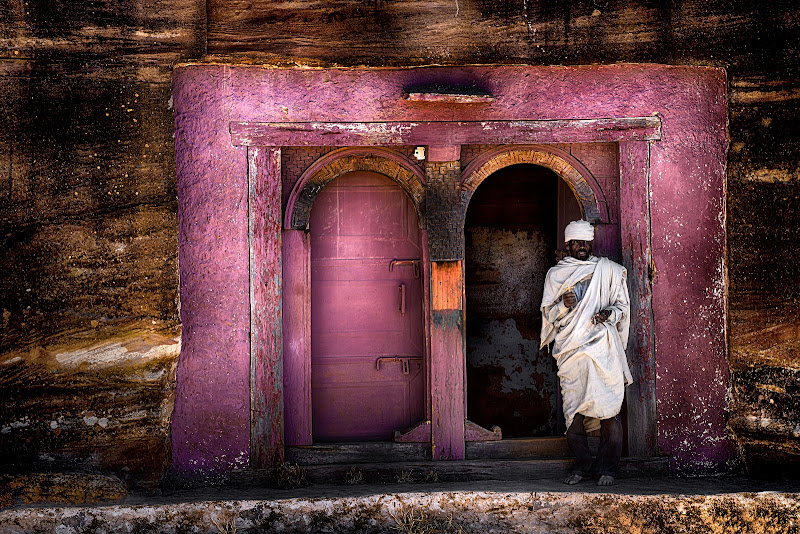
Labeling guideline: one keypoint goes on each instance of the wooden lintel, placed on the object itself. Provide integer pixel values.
(445, 132)
(448, 98)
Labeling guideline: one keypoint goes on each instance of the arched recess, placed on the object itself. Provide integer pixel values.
(580, 180)
(387, 162)
(297, 268)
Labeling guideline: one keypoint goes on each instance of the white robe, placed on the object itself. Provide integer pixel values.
(591, 358)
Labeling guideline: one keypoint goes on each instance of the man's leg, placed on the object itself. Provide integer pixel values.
(579, 445)
(610, 450)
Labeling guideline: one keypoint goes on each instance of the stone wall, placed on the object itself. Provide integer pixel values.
(88, 233)
(88, 226)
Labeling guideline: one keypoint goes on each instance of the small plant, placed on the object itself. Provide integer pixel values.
(408, 521)
(354, 476)
(405, 477)
(290, 475)
(432, 476)
(226, 524)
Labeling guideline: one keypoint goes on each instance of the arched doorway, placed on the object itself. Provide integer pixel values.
(512, 232)
(367, 336)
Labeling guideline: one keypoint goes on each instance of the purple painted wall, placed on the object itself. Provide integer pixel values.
(211, 425)
(211, 420)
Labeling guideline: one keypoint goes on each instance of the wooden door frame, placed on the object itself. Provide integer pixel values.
(297, 269)
(280, 381)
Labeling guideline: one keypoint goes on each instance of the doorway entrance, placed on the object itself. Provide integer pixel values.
(511, 238)
(367, 338)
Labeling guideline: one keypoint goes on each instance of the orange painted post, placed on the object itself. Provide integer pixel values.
(447, 361)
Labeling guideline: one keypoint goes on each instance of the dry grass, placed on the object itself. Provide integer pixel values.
(225, 524)
(409, 521)
(289, 475)
(354, 476)
(405, 477)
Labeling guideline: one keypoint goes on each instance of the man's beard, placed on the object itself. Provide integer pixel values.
(582, 254)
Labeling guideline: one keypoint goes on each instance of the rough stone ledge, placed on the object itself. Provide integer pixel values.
(634, 505)
(60, 488)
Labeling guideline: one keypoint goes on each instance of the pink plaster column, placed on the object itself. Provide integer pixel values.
(211, 418)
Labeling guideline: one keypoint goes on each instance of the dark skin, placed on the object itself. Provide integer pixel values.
(581, 250)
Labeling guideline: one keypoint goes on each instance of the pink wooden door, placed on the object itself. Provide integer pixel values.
(367, 336)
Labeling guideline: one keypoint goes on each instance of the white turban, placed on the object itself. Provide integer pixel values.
(579, 231)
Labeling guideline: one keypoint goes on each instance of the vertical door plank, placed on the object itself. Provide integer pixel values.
(636, 257)
(426, 306)
(297, 336)
(266, 351)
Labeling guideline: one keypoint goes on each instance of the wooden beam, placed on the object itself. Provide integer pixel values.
(514, 448)
(447, 361)
(473, 432)
(444, 132)
(266, 351)
(358, 452)
(634, 165)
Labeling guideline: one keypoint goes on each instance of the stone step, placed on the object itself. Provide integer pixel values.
(376, 452)
(635, 505)
(428, 471)
(513, 448)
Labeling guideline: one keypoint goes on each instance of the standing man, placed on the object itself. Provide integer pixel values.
(586, 311)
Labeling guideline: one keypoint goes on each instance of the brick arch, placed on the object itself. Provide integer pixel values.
(389, 163)
(586, 189)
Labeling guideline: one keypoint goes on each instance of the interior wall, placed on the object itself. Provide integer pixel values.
(510, 242)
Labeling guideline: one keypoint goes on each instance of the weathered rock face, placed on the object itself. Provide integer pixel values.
(99, 400)
(88, 225)
(66, 488)
(88, 279)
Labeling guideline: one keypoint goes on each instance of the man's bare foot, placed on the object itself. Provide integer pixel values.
(606, 480)
(574, 479)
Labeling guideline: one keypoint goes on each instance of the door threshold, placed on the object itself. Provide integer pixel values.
(521, 448)
(358, 453)
(550, 447)
(442, 471)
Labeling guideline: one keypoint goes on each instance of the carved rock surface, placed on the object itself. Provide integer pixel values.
(61, 488)
(436, 511)
(98, 400)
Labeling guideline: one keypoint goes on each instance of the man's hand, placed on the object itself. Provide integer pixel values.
(570, 299)
(601, 317)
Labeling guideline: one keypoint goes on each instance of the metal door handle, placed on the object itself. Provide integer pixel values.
(414, 263)
(402, 299)
(404, 361)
